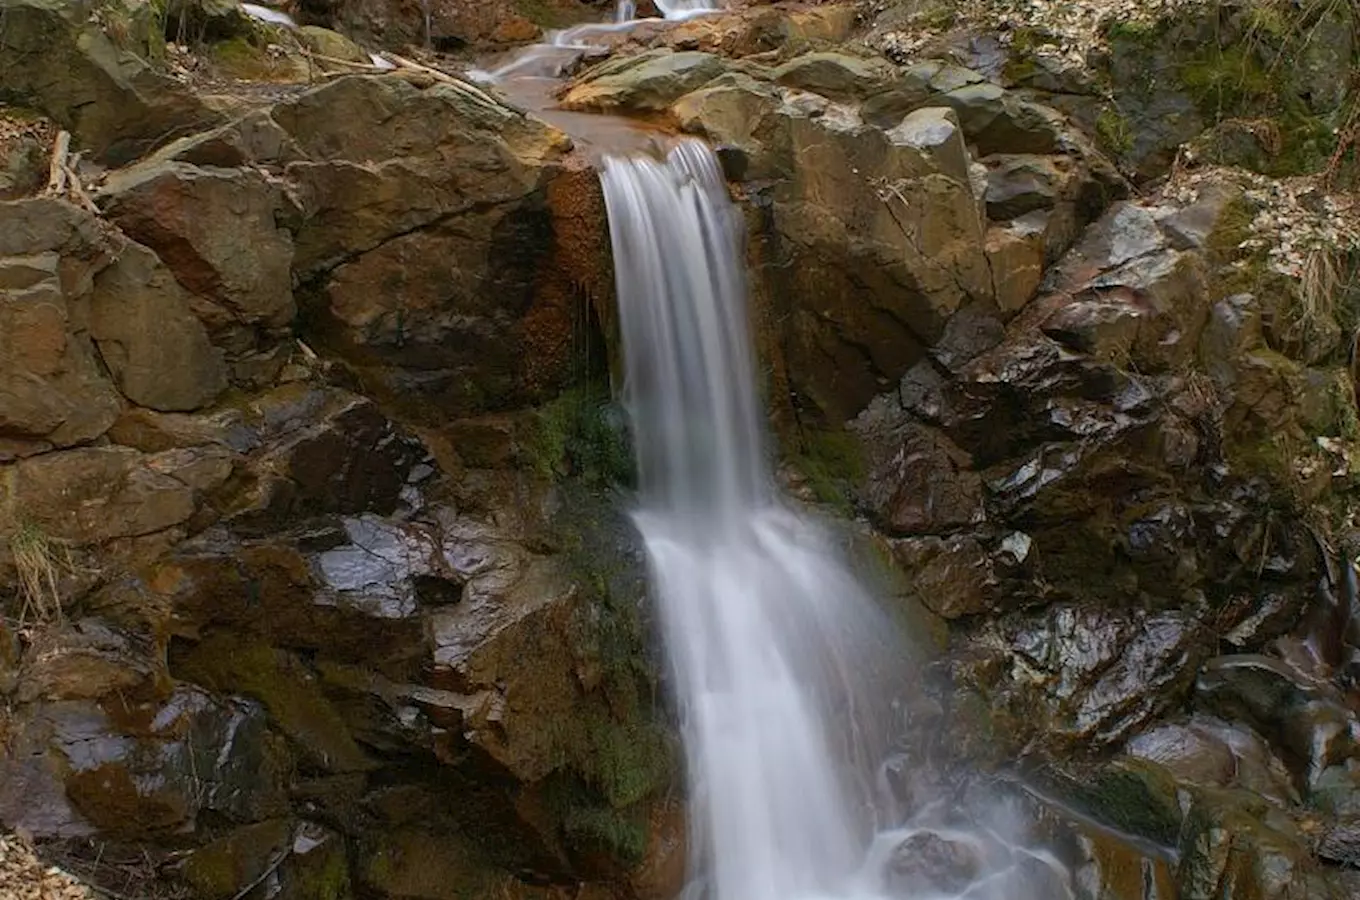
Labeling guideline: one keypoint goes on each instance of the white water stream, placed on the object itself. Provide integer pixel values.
(769, 637)
(780, 658)
(559, 49)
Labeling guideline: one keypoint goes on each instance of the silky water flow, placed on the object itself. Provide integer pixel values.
(784, 668)
(767, 634)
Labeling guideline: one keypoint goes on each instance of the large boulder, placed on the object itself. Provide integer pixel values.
(428, 243)
(81, 300)
(219, 230)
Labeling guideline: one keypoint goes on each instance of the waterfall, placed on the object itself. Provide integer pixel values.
(770, 640)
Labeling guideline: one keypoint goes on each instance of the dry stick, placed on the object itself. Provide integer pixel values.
(458, 84)
(56, 170)
(73, 180)
(270, 870)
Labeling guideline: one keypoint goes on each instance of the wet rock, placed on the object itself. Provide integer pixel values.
(332, 452)
(1234, 844)
(114, 104)
(155, 432)
(1214, 753)
(954, 576)
(648, 82)
(153, 768)
(1091, 675)
(1119, 869)
(929, 863)
(1133, 797)
(1310, 729)
(917, 481)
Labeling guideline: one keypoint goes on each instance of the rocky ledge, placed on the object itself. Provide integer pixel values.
(317, 582)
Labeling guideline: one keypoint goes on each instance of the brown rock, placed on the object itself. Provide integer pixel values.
(94, 495)
(216, 230)
(918, 482)
(157, 350)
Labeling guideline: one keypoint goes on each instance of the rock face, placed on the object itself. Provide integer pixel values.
(231, 563)
(314, 574)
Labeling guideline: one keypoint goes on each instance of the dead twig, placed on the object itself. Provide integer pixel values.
(56, 170)
(269, 870)
(468, 90)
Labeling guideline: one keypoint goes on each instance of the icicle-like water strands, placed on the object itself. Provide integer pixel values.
(779, 657)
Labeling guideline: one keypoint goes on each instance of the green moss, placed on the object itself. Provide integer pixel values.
(833, 465)
(580, 434)
(235, 664)
(240, 58)
(1113, 131)
(1130, 795)
(1227, 81)
(625, 761)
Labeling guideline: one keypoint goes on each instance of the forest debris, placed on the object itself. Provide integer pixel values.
(24, 877)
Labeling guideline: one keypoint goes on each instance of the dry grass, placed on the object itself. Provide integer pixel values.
(41, 562)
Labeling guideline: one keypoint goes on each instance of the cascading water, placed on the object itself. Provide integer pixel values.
(550, 58)
(770, 638)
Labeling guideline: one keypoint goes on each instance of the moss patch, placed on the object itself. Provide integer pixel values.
(581, 435)
(234, 664)
(833, 464)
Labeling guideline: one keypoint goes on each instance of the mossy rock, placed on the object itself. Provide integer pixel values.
(332, 46)
(221, 869)
(832, 462)
(1255, 62)
(1130, 795)
(581, 434)
(257, 58)
(288, 690)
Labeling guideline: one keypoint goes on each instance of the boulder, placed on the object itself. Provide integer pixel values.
(114, 104)
(855, 213)
(430, 243)
(837, 76)
(647, 82)
(157, 350)
(219, 232)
